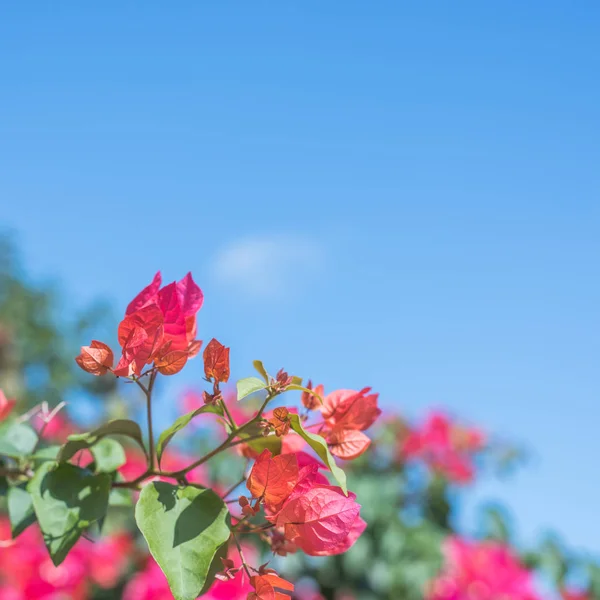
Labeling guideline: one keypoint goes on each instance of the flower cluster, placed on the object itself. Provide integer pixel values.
(481, 571)
(27, 570)
(446, 447)
(159, 328)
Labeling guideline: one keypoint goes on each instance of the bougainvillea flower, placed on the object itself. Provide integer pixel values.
(141, 336)
(179, 302)
(313, 400)
(216, 361)
(27, 570)
(273, 478)
(6, 406)
(481, 571)
(347, 443)
(352, 409)
(446, 447)
(97, 358)
(319, 519)
(269, 587)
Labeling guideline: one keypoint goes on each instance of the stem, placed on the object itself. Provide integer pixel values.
(232, 488)
(150, 432)
(241, 555)
(148, 393)
(226, 444)
(229, 416)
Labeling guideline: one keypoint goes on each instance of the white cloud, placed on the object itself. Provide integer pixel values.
(269, 265)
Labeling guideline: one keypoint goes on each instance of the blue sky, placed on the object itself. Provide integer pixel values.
(401, 195)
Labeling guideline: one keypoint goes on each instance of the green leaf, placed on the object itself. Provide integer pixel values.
(82, 441)
(108, 455)
(17, 439)
(269, 442)
(3, 482)
(248, 386)
(184, 529)
(47, 454)
(296, 380)
(300, 388)
(66, 500)
(120, 497)
(180, 423)
(319, 445)
(20, 510)
(261, 369)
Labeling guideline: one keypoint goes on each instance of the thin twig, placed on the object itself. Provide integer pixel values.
(232, 488)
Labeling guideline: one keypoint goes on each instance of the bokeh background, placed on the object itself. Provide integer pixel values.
(396, 195)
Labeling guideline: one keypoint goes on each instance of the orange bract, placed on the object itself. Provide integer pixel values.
(216, 361)
(280, 420)
(96, 358)
(267, 587)
(171, 362)
(273, 478)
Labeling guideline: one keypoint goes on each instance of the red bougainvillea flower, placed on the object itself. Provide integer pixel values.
(159, 326)
(178, 302)
(446, 447)
(481, 571)
(6, 406)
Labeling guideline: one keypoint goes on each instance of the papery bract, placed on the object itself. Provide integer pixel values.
(97, 358)
(351, 409)
(140, 335)
(280, 421)
(172, 362)
(216, 361)
(312, 401)
(268, 586)
(273, 478)
(347, 443)
(146, 296)
(190, 296)
(320, 519)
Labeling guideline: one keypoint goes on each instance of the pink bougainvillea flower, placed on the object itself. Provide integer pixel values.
(107, 558)
(141, 336)
(27, 570)
(447, 448)
(320, 519)
(6, 406)
(481, 571)
(352, 409)
(179, 302)
(347, 413)
(347, 443)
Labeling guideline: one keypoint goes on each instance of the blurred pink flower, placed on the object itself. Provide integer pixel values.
(446, 447)
(481, 571)
(28, 573)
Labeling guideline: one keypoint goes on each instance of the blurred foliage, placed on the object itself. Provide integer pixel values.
(38, 342)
